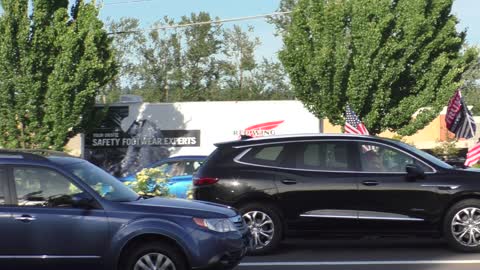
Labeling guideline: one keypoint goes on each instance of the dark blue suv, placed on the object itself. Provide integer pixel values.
(57, 210)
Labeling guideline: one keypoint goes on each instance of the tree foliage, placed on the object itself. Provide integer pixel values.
(387, 59)
(195, 63)
(52, 63)
(240, 48)
(282, 22)
(471, 87)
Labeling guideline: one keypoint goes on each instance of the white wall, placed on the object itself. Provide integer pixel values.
(221, 121)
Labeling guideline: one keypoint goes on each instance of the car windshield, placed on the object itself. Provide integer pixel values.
(103, 183)
(425, 155)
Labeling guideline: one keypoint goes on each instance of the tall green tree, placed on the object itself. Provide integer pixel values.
(239, 48)
(202, 45)
(471, 87)
(282, 22)
(52, 64)
(159, 71)
(387, 59)
(270, 81)
(127, 37)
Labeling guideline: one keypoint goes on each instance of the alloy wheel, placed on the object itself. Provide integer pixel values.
(261, 226)
(154, 261)
(465, 227)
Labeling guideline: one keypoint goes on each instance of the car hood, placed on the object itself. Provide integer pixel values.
(185, 207)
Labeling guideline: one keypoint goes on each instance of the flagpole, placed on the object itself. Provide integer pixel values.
(465, 109)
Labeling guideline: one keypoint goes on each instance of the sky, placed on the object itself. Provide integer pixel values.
(150, 11)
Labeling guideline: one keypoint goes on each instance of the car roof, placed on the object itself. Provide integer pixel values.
(29, 156)
(294, 137)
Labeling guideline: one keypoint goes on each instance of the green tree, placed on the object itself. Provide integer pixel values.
(471, 87)
(52, 64)
(282, 22)
(387, 59)
(159, 74)
(202, 44)
(239, 48)
(127, 37)
(270, 81)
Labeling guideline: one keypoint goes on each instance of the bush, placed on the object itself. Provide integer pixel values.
(446, 149)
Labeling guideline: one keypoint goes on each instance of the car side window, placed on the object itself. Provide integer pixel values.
(329, 156)
(173, 168)
(264, 155)
(3, 186)
(379, 158)
(41, 187)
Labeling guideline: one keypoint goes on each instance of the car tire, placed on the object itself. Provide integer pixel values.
(256, 214)
(462, 226)
(143, 253)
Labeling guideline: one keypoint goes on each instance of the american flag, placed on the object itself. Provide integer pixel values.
(459, 119)
(353, 125)
(473, 155)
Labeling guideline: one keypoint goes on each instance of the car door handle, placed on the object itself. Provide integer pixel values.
(289, 181)
(370, 183)
(25, 218)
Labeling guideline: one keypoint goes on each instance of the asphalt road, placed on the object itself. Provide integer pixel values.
(364, 254)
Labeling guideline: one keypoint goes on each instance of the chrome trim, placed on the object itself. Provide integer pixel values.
(385, 216)
(44, 257)
(25, 218)
(289, 141)
(241, 155)
(352, 214)
(329, 216)
(391, 218)
(339, 140)
(452, 187)
(331, 213)
(238, 157)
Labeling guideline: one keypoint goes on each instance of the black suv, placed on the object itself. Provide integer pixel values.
(341, 184)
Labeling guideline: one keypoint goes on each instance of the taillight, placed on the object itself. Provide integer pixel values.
(203, 181)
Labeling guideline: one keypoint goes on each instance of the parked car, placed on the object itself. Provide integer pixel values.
(341, 185)
(53, 211)
(179, 171)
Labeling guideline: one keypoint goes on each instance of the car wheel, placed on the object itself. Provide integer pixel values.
(462, 226)
(265, 225)
(154, 256)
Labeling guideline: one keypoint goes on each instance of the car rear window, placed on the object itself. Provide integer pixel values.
(264, 155)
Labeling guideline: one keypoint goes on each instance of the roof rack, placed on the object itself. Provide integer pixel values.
(31, 154)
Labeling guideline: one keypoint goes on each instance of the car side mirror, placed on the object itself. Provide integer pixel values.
(82, 200)
(414, 172)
